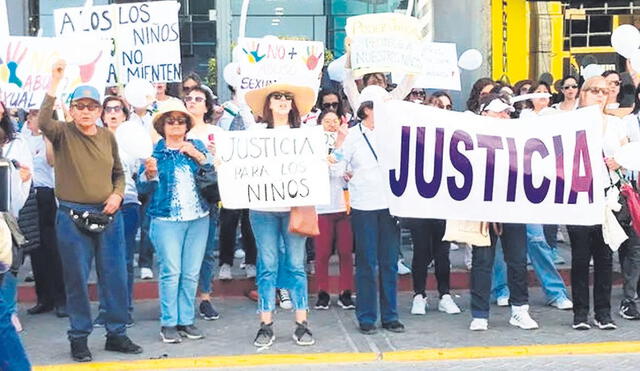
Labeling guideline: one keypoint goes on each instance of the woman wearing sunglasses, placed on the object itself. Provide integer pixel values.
(613, 84)
(179, 218)
(570, 92)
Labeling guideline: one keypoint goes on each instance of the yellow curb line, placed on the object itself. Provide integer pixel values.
(423, 355)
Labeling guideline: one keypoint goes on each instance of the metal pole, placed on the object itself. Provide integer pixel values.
(223, 46)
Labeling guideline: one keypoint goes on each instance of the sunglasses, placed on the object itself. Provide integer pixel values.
(187, 89)
(602, 91)
(82, 106)
(190, 98)
(175, 121)
(333, 105)
(615, 82)
(569, 87)
(114, 109)
(419, 93)
(278, 96)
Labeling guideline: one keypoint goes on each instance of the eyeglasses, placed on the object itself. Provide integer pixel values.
(594, 90)
(82, 106)
(569, 87)
(175, 121)
(278, 96)
(615, 82)
(114, 109)
(332, 105)
(419, 93)
(189, 98)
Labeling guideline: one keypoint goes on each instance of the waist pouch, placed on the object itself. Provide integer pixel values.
(87, 221)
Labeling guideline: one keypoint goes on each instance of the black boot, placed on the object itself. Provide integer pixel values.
(80, 351)
(122, 344)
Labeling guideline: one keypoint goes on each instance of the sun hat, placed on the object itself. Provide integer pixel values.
(170, 105)
(303, 96)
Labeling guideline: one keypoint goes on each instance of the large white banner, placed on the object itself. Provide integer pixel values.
(265, 168)
(145, 37)
(26, 62)
(450, 165)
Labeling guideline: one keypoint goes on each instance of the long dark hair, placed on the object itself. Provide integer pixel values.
(562, 86)
(111, 98)
(323, 93)
(294, 114)
(636, 106)
(612, 72)
(7, 125)
(209, 100)
(474, 96)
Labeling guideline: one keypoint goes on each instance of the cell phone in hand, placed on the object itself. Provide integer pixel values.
(211, 138)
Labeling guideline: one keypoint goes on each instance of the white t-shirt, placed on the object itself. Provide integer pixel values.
(43, 175)
(612, 139)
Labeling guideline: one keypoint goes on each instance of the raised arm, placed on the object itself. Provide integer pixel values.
(51, 128)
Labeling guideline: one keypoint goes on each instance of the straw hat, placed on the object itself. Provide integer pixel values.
(170, 105)
(303, 96)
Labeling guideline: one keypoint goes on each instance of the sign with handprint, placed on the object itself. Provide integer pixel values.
(145, 37)
(269, 60)
(384, 42)
(25, 67)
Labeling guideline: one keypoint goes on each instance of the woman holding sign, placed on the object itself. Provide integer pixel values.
(280, 106)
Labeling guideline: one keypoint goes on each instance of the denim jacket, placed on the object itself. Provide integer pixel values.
(163, 187)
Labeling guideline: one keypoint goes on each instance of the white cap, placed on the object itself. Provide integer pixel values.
(373, 93)
(497, 105)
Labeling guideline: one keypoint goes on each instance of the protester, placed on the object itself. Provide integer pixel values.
(200, 104)
(190, 81)
(440, 99)
(570, 91)
(513, 238)
(613, 82)
(280, 106)
(480, 88)
(90, 189)
(45, 260)
(417, 96)
(335, 225)
(376, 232)
(587, 242)
(328, 100)
(179, 218)
(540, 105)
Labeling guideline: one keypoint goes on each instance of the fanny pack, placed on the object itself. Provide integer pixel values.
(90, 221)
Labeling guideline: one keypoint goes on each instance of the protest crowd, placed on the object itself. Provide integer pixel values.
(126, 182)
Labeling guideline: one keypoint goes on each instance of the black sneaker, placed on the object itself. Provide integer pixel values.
(628, 310)
(324, 300)
(80, 351)
(604, 322)
(265, 336)
(207, 311)
(367, 329)
(302, 335)
(190, 332)
(122, 344)
(581, 323)
(394, 326)
(169, 334)
(345, 300)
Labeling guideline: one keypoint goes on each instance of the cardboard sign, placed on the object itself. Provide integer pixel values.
(384, 42)
(145, 37)
(269, 60)
(439, 68)
(26, 63)
(450, 165)
(266, 168)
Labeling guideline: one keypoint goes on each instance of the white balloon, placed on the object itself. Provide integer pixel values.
(628, 156)
(134, 141)
(230, 74)
(373, 93)
(625, 40)
(470, 60)
(336, 69)
(139, 93)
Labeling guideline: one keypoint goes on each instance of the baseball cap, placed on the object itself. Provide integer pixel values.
(86, 91)
(497, 105)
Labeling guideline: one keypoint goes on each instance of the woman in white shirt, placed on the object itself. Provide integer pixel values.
(570, 92)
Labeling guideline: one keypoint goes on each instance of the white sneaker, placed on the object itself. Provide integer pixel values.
(564, 304)
(146, 274)
(520, 317)
(225, 272)
(402, 268)
(285, 299)
(239, 254)
(419, 305)
(454, 247)
(447, 305)
(250, 269)
(503, 301)
(559, 237)
(479, 324)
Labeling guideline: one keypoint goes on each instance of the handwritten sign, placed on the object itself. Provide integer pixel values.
(269, 60)
(145, 37)
(439, 68)
(450, 165)
(384, 42)
(264, 168)
(26, 62)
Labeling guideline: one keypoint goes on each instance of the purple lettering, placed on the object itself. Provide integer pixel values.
(581, 183)
(535, 195)
(399, 183)
(491, 143)
(462, 164)
(559, 150)
(429, 189)
(513, 170)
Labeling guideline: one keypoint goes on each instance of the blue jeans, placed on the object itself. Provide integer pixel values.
(9, 292)
(180, 248)
(208, 262)
(271, 229)
(12, 354)
(130, 218)
(541, 256)
(77, 250)
(377, 237)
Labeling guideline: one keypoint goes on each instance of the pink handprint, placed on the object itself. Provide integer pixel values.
(311, 60)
